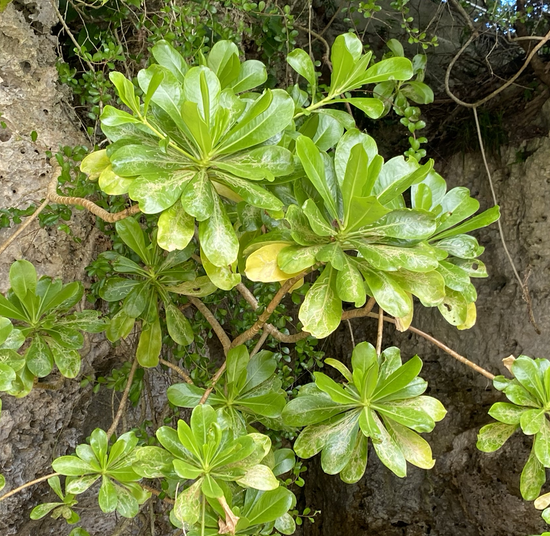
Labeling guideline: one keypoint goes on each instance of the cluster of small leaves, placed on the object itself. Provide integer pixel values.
(416, 36)
(528, 411)
(39, 308)
(381, 399)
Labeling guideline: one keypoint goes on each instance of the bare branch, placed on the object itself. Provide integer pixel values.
(216, 326)
(123, 401)
(380, 332)
(27, 485)
(180, 372)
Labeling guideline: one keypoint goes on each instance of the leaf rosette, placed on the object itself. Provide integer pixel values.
(528, 411)
(381, 400)
(352, 218)
(40, 310)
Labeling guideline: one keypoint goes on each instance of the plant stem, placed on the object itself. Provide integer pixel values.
(28, 484)
(211, 319)
(380, 333)
(203, 520)
(180, 372)
(123, 401)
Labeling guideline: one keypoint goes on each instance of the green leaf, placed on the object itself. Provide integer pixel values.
(390, 258)
(253, 74)
(108, 498)
(203, 88)
(125, 90)
(482, 220)
(149, 345)
(132, 235)
(492, 436)
(428, 287)
(198, 127)
(349, 284)
(198, 196)
(532, 478)
(301, 229)
(415, 449)
(339, 446)
(39, 358)
(389, 69)
(185, 395)
(300, 61)
(454, 307)
(175, 228)
(532, 420)
(371, 107)
(72, 466)
(7, 377)
(137, 299)
(217, 237)
(529, 376)
(314, 167)
(387, 292)
(345, 52)
(295, 259)
(154, 83)
(334, 390)
(167, 56)
(321, 310)
(542, 444)
(237, 360)
(404, 224)
(67, 360)
(389, 452)
(418, 92)
(354, 179)
(269, 506)
(120, 327)
(462, 246)
(152, 462)
(363, 212)
(357, 464)
(253, 194)
(178, 326)
(264, 162)
(188, 506)
(306, 410)
(223, 59)
(259, 477)
(506, 413)
(23, 282)
(117, 288)
(155, 194)
(285, 524)
(200, 287)
(268, 115)
(38, 512)
(316, 219)
(112, 117)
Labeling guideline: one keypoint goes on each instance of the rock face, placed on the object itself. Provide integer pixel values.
(467, 492)
(45, 424)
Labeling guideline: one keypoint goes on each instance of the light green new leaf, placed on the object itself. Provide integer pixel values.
(533, 477)
(202, 87)
(223, 59)
(321, 310)
(300, 61)
(253, 74)
(390, 69)
(259, 477)
(150, 344)
(222, 276)
(167, 56)
(217, 237)
(387, 292)
(125, 90)
(415, 448)
(371, 107)
(198, 196)
(492, 436)
(175, 228)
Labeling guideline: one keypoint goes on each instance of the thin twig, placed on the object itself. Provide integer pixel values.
(215, 379)
(211, 319)
(180, 372)
(500, 89)
(350, 327)
(70, 34)
(380, 333)
(443, 347)
(264, 317)
(123, 401)
(27, 485)
(260, 343)
(522, 284)
(21, 228)
(283, 337)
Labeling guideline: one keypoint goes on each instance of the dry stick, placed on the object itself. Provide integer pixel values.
(380, 332)
(351, 333)
(70, 34)
(444, 347)
(247, 295)
(216, 326)
(123, 401)
(259, 344)
(215, 379)
(28, 484)
(523, 284)
(20, 229)
(264, 317)
(180, 372)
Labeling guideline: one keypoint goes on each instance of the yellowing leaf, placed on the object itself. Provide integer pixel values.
(262, 264)
(471, 315)
(95, 163)
(403, 323)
